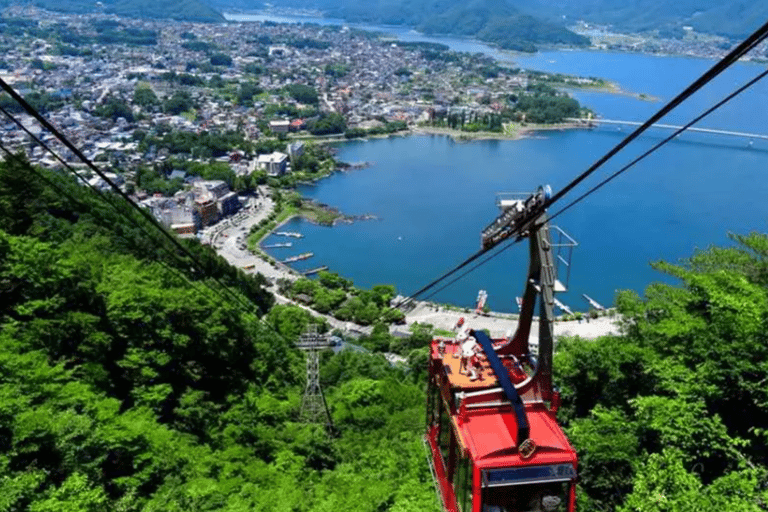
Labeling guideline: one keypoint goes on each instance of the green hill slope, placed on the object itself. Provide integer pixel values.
(125, 387)
(493, 21)
(733, 18)
(183, 10)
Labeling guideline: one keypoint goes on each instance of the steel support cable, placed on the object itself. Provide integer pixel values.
(472, 269)
(614, 175)
(455, 269)
(48, 126)
(663, 142)
(734, 55)
(200, 286)
(106, 198)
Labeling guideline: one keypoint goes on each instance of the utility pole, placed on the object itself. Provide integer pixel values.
(314, 409)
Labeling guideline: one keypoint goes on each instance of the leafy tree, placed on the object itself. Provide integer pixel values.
(145, 97)
(303, 93)
(221, 59)
(178, 102)
(328, 124)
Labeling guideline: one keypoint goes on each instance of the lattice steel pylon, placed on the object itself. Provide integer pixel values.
(313, 406)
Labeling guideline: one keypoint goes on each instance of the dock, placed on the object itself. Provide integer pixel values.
(304, 256)
(288, 233)
(563, 307)
(315, 270)
(593, 302)
(277, 246)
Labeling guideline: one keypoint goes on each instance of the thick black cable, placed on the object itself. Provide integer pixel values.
(734, 55)
(134, 221)
(455, 269)
(103, 196)
(200, 286)
(663, 142)
(197, 285)
(463, 274)
(748, 44)
(48, 126)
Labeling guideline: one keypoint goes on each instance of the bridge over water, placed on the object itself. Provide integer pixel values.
(594, 121)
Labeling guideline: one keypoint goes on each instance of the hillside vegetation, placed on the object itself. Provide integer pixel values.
(125, 387)
(732, 18)
(495, 21)
(126, 384)
(183, 10)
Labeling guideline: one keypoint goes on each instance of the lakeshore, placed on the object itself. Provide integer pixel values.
(441, 317)
(512, 131)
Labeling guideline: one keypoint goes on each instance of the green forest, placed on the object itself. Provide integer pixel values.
(494, 21)
(184, 10)
(132, 381)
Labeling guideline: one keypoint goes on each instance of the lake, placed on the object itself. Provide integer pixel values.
(433, 196)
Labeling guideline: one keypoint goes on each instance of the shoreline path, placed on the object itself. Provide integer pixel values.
(230, 235)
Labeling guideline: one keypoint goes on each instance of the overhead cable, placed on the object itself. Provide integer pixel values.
(137, 224)
(663, 142)
(734, 55)
(147, 216)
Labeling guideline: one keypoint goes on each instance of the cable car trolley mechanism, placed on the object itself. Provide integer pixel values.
(492, 430)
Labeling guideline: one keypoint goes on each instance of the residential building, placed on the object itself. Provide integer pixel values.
(274, 163)
(295, 149)
(229, 204)
(279, 125)
(208, 210)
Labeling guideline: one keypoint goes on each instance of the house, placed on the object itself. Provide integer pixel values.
(178, 174)
(274, 163)
(279, 125)
(208, 210)
(184, 230)
(229, 204)
(295, 149)
(216, 188)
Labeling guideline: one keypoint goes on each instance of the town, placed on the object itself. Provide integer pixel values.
(191, 118)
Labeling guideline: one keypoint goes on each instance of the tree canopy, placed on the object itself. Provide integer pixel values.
(670, 415)
(128, 384)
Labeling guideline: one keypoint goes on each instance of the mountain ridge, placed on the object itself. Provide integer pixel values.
(730, 18)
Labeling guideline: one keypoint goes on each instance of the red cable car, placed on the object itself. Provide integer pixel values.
(492, 429)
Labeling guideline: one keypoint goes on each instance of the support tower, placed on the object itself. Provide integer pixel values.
(314, 409)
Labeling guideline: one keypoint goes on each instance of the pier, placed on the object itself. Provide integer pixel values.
(592, 121)
(304, 256)
(592, 302)
(288, 233)
(277, 246)
(315, 270)
(563, 307)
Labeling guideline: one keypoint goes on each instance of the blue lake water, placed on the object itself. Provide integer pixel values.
(433, 196)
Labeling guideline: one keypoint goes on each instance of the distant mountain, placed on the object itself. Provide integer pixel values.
(731, 18)
(494, 21)
(183, 10)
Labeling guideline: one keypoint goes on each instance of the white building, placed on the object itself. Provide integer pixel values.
(274, 163)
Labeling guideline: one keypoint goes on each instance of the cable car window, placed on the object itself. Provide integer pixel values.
(445, 433)
(550, 497)
(434, 403)
(462, 485)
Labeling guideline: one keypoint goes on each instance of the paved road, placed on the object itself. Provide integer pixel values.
(500, 323)
(229, 239)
